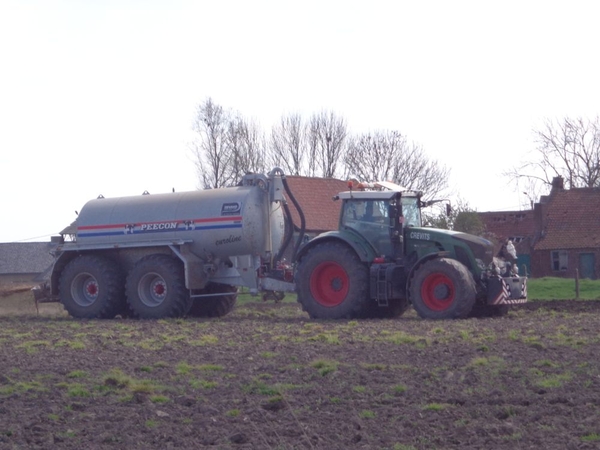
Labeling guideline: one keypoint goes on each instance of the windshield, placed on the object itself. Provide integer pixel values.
(411, 212)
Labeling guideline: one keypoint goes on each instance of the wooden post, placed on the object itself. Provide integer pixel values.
(576, 284)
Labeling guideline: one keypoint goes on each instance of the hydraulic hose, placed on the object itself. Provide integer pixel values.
(288, 191)
(302, 219)
(289, 232)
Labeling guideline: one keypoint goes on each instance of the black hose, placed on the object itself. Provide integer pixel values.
(302, 218)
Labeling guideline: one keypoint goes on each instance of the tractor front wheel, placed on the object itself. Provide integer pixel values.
(332, 282)
(442, 289)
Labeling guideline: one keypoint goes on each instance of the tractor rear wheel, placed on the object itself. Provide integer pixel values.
(442, 289)
(216, 306)
(332, 282)
(91, 287)
(156, 289)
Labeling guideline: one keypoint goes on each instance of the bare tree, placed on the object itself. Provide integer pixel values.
(326, 137)
(531, 190)
(461, 218)
(228, 146)
(288, 145)
(387, 155)
(211, 149)
(569, 148)
(374, 156)
(247, 145)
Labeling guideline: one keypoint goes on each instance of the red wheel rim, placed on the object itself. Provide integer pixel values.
(329, 284)
(85, 289)
(437, 292)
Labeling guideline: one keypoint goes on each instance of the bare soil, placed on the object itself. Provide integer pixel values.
(267, 377)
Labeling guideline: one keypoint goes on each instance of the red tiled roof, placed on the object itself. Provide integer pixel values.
(571, 219)
(315, 198)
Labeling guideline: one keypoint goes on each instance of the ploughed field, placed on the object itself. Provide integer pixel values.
(267, 377)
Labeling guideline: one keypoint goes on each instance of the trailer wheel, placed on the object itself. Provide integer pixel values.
(92, 287)
(332, 282)
(156, 289)
(217, 306)
(442, 289)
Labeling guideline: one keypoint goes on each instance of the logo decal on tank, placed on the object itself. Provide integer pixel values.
(158, 226)
(230, 240)
(231, 209)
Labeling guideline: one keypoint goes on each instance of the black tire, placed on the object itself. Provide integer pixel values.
(395, 308)
(332, 282)
(481, 310)
(217, 306)
(156, 289)
(92, 287)
(442, 289)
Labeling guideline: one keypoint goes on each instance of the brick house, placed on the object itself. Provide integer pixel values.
(518, 226)
(560, 236)
(567, 233)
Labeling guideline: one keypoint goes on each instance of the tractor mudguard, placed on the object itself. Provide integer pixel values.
(425, 258)
(60, 261)
(363, 249)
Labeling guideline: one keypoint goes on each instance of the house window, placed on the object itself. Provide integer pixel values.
(559, 260)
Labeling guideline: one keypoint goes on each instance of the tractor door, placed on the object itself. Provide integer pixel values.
(374, 220)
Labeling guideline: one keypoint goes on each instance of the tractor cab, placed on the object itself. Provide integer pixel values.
(378, 212)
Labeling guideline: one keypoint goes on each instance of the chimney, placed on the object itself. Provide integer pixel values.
(558, 183)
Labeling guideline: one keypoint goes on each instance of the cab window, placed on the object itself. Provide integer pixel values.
(411, 212)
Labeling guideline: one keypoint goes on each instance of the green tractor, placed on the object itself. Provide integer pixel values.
(381, 260)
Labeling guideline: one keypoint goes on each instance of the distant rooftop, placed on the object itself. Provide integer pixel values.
(24, 257)
(315, 196)
(571, 219)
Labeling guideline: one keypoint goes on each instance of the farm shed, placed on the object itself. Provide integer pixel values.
(24, 262)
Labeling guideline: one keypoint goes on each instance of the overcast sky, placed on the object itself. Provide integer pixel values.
(98, 97)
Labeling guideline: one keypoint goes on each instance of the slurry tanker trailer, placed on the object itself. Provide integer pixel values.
(178, 254)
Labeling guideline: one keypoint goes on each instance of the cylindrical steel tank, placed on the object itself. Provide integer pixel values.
(221, 222)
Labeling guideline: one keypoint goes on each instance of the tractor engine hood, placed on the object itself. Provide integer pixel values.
(481, 248)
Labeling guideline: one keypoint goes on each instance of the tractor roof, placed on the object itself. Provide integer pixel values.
(378, 190)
